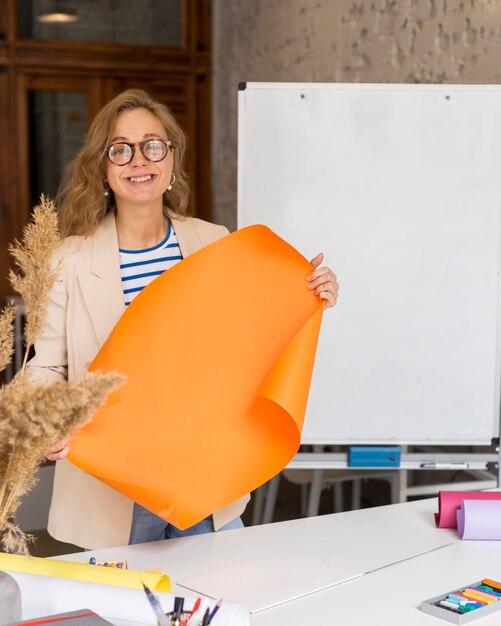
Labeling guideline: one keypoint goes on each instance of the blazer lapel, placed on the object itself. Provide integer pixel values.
(102, 287)
(187, 236)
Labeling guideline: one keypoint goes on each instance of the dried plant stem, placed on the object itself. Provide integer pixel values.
(25, 358)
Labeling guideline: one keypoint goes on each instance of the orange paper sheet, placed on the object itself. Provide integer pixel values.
(218, 354)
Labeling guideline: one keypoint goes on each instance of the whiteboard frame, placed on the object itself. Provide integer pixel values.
(246, 88)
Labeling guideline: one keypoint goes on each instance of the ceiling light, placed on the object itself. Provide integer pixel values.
(57, 13)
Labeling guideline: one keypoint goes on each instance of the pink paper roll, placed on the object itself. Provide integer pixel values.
(480, 519)
(450, 501)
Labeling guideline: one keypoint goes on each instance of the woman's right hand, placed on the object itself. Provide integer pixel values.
(58, 451)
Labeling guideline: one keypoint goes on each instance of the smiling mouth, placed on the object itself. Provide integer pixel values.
(140, 179)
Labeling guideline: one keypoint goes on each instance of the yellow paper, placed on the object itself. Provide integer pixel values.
(84, 572)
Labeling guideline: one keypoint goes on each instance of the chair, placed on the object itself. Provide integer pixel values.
(313, 482)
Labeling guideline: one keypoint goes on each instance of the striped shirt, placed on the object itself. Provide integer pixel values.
(139, 267)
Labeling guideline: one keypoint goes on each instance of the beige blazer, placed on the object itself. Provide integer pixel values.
(84, 306)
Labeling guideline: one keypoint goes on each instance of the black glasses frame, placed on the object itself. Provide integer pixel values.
(141, 144)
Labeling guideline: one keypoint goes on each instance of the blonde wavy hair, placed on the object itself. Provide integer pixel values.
(81, 199)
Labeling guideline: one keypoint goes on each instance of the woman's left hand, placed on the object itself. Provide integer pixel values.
(323, 281)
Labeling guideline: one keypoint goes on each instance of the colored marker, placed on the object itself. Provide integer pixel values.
(198, 615)
(205, 620)
(193, 611)
(178, 607)
(444, 466)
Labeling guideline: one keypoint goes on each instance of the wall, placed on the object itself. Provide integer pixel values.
(401, 41)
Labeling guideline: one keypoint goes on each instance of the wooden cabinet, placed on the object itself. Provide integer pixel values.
(51, 89)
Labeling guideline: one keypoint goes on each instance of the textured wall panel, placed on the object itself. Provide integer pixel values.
(404, 41)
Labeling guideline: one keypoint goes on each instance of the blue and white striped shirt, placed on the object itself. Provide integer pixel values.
(140, 267)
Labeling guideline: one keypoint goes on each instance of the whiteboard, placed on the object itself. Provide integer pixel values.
(400, 187)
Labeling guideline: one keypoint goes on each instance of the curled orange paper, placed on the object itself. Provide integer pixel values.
(218, 354)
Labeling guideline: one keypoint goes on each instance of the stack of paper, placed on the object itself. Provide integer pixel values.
(313, 565)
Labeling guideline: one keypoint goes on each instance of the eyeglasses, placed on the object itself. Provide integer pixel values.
(123, 152)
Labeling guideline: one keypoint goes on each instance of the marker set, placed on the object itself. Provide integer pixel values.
(467, 603)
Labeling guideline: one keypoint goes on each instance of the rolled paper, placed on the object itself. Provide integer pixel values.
(218, 353)
(45, 596)
(480, 519)
(83, 572)
(450, 501)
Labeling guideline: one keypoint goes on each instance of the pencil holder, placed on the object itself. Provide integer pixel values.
(184, 617)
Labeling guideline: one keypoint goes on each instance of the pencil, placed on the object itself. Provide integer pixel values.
(215, 610)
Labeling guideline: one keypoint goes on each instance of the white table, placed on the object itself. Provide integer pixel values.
(391, 595)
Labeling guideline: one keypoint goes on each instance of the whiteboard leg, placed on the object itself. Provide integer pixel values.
(338, 496)
(315, 493)
(258, 497)
(394, 487)
(403, 480)
(271, 498)
(356, 494)
(402, 485)
(304, 499)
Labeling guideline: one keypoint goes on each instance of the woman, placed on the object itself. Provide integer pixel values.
(124, 216)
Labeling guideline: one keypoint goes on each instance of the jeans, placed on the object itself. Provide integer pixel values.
(146, 526)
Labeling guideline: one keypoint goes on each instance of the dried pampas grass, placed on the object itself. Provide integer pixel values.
(33, 414)
(32, 417)
(6, 335)
(33, 258)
